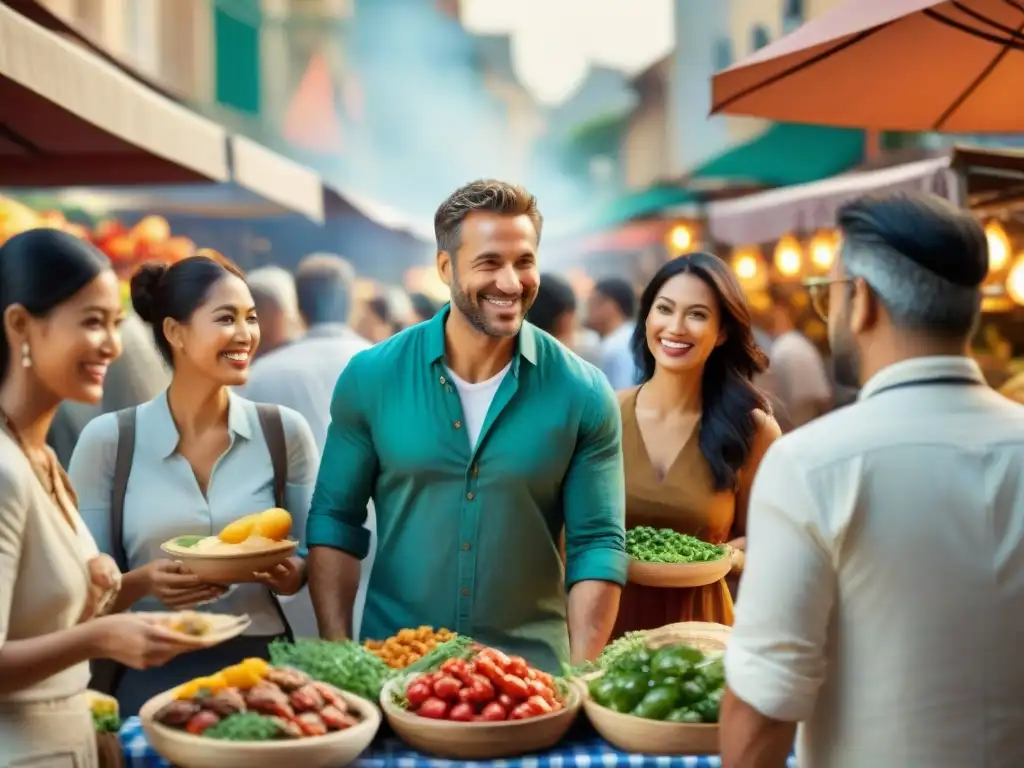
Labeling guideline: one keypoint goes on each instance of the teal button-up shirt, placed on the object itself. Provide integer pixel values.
(468, 537)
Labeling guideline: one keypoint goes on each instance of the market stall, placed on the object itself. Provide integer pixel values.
(650, 697)
(68, 117)
(623, 710)
(781, 236)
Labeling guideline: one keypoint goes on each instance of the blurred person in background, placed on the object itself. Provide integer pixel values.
(694, 431)
(61, 307)
(888, 654)
(277, 307)
(384, 315)
(302, 376)
(423, 307)
(202, 457)
(799, 380)
(554, 311)
(611, 309)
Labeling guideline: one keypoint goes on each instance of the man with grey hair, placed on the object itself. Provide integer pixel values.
(883, 594)
(273, 292)
(302, 374)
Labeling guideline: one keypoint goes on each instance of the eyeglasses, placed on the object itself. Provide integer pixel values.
(818, 290)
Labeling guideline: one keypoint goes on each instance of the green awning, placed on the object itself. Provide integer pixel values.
(638, 205)
(787, 153)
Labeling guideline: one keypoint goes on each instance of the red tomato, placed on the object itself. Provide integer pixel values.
(490, 670)
(514, 687)
(521, 712)
(462, 713)
(537, 688)
(433, 708)
(499, 658)
(545, 678)
(466, 695)
(517, 666)
(417, 693)
(539, 705)
(447, 688)
(482, 690)
(459, 669)
(506, 701)
(493, 712)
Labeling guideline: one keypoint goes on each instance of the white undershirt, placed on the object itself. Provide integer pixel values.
(476, 401)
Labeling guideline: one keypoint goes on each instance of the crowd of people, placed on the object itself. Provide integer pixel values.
(478, 470)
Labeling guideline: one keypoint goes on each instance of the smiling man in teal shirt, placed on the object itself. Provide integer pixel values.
(479, 438)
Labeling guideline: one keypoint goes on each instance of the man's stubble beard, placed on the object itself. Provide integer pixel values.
(474, 313)
(845, 358)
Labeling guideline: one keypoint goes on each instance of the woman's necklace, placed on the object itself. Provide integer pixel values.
(47, 475)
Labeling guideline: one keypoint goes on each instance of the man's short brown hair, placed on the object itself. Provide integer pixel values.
(487, 195)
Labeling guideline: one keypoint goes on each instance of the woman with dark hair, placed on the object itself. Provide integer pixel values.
(695, 429)
(201, 458)
(61, 308)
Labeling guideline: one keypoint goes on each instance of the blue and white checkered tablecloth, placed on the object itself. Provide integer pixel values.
(587, 753)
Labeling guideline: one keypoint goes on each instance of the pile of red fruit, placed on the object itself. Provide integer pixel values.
(489, 687)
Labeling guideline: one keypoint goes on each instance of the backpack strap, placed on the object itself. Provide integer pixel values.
(119, 487)
(273, 433)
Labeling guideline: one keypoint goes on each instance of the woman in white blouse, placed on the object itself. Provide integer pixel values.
(61, 307)
(200, 460)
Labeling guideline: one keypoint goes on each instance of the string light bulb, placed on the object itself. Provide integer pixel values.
(998, 246)
(789, 256)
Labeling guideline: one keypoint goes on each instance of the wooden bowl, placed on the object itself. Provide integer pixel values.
(184, 750)
(479, 741)
(230, 568)
(651, 737)
(680, 574)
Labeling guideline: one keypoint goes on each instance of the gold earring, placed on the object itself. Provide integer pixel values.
(26, 355)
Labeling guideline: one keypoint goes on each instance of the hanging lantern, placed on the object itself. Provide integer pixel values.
(789, 256)
(998, 246)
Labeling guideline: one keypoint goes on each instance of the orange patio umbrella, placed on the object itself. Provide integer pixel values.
(911, 65)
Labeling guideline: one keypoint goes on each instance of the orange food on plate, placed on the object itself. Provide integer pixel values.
(238, 531)
(274, 524)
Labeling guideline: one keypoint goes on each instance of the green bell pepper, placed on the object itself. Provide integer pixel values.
(633, 662)
(713, 673)
(692, 691)
(657, 703)
(625, 691)
(601, 689)
(683, 715)
(708, 707)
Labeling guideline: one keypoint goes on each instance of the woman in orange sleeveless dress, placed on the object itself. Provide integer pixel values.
(694, 431)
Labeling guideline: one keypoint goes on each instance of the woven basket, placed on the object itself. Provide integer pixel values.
(652, 737)
(705, 636)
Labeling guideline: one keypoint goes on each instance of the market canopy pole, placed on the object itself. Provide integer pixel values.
(902, 65)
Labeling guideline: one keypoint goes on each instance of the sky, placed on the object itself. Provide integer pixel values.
(554, 42)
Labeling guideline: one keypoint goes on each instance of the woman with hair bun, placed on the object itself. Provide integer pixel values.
(61, 308)
(201, 457)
